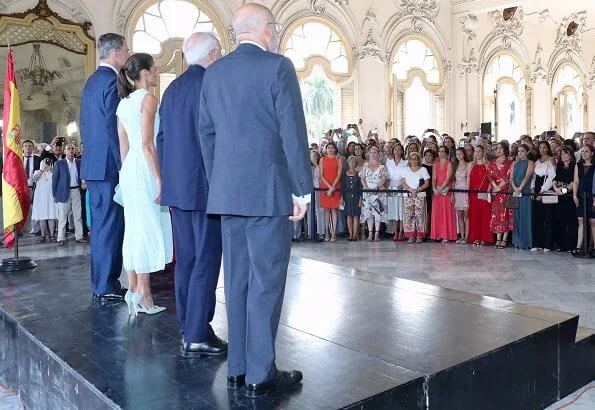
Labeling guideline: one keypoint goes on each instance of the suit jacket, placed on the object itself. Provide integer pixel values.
(99, 126)
(184, 182)
(61, 180)
(36, 164)
(253, 134)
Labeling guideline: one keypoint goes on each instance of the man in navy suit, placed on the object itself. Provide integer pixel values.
(197, 236)
(31, 163)
(100, 166)
(255, 149)
(66, 189)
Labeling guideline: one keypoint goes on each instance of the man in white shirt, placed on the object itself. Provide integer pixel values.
(31, 163)
(66, 185)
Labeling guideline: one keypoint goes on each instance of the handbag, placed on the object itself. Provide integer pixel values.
(484, 196)
(549, 199)
(513, 202)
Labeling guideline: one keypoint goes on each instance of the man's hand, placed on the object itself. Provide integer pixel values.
(299, 211)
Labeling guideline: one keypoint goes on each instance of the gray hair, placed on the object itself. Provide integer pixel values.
(197, 47)
(253, 21)
(109, 42)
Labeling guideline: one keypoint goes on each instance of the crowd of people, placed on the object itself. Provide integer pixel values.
(58, 195)
(532, 193)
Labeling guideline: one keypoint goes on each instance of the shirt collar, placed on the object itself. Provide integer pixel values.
(71, 162)
(254, 44)
(109, 66)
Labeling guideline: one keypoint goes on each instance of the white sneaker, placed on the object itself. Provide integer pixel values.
(535, 249)
(546, 249)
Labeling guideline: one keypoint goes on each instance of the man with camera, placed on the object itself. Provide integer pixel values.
(54, 151)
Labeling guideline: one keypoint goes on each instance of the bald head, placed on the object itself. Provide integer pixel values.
(255, 22)
(202, 48)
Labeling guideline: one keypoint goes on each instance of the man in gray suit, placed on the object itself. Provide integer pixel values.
(254, 144)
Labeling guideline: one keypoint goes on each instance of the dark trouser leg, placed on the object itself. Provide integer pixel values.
(236, 266)
(184, 246)
(548, 218)
(107, 218)
(205, 273)
(269, 247)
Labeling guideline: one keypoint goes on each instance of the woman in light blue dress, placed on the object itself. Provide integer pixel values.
(148, 241)
(520, 182)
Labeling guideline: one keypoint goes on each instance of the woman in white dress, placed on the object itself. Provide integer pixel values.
(395, 168)
(44, 207)
(147, 243)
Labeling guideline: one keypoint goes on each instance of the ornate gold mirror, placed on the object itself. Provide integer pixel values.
(53, 57)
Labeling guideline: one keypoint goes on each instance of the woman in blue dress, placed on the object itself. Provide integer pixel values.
(522, 172)
(147, 245)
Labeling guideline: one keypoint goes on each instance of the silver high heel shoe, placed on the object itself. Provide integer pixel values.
(135, 299)
(153, 310)
(128, 300)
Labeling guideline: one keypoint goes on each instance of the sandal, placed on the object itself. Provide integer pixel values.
(377, 237)
(576, 251)
(411, 240)
(418, 240)
(502, 245)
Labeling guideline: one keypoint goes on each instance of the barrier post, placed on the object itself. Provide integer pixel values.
(313, 237)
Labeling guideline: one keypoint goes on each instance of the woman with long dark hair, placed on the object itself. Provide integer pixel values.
(521, 173)
(565, 222)
(480, 207)
(443, 225)
(147, 243)
(461, 199)
(543, 205)
(584, 172)
(499, 172)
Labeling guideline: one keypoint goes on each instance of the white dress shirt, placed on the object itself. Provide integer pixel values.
(302, 200)
(31, 160)
(74, 175)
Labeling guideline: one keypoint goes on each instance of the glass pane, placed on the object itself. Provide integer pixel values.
(313, 38)
(144, 43)
(416, 54)
(321, 98)
(509, 113)
(156, 27)
(418, 108)
(179, 17)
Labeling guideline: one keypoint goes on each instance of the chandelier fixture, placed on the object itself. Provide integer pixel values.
(37, 74)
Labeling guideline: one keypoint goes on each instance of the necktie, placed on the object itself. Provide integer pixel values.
(28, 167)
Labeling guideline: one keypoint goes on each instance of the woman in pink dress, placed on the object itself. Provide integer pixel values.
(443, 212)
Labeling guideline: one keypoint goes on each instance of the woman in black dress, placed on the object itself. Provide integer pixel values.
(428, 163)
(583, 185)
(351, 190)
(565, 222)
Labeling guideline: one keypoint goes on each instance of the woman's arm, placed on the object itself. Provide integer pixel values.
(383, 177)
(512, 184)
(528, 174)
(424, 186)
(434, 178)
(339, 173)
(549, 180)
(322, 178)
(362, 177)
(575, 185)
(123, 137)
(148, 110)
(449, 174)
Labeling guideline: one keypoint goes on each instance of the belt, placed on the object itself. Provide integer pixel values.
(74, 187)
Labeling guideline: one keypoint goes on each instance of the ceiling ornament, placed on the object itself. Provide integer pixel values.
(570, 34)
(508, 29)
(470, 63)
(538, 70)
(319, 6)
(418, 11)
(370, 47)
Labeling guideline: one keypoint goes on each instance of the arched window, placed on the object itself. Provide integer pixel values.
(323, 61)
(504, 99)
(568, 101)
(158, 27)
(418, 77)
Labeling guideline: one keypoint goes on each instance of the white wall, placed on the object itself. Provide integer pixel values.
(393, 22)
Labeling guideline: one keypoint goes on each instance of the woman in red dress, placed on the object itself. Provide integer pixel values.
(331, 169)
(443, 225)
(499, 174)
(480, 208)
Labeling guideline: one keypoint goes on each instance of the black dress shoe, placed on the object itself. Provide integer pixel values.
(214, 346)
(236, 382)
(115, 295)
(283, 380)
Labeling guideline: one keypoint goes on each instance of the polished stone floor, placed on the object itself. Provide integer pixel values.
(552, 280)
(366, 271)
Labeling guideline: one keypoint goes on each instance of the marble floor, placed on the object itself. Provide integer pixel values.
(553, 280)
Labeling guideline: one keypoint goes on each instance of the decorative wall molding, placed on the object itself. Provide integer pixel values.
(470, 62)
(591, 79)
(507, 29)
(64, 10)
(371, 49)
(417, 11)
(538, 70)
(572, 43)
(319, 6)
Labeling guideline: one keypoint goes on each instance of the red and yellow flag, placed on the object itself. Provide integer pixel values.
(15, 189)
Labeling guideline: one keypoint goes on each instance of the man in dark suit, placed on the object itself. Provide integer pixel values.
(31, 163)
(66, 189)
(255, 149)
(100, 166)
(197, 236)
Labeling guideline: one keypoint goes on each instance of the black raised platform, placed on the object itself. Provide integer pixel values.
(362, 341)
